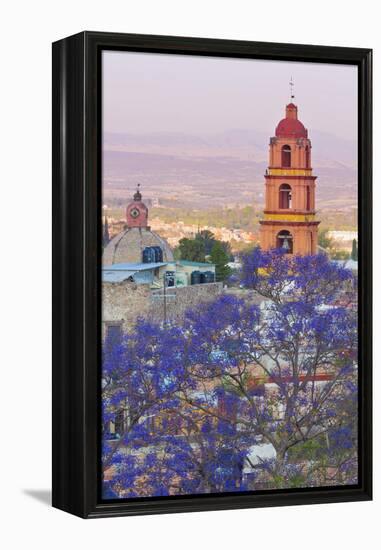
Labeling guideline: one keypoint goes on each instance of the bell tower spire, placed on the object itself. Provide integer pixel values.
(292, 97)
(289, 215)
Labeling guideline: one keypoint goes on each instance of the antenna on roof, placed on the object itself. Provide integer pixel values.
(291, 89)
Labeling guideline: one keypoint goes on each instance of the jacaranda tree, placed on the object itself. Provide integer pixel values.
(275, 369)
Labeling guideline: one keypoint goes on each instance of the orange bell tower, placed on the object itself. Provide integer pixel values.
(289, 215)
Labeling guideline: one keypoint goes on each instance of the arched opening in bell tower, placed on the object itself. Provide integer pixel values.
(308, 199)
(285, 196)
(286, 156)
(284, 241)
(308, 157)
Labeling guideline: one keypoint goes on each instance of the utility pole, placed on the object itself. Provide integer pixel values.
(165, 298)
(161, 294)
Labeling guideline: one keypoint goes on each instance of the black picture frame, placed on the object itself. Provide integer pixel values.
(76, 270)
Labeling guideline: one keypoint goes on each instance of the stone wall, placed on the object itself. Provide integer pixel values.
(179, 299)
(125, 302)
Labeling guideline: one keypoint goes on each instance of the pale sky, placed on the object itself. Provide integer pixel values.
(144, 93)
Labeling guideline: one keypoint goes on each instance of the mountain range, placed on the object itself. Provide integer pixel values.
(224, 169)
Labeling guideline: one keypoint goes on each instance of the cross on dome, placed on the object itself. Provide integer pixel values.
(292, 96)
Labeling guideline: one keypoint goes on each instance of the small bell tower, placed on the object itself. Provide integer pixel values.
(137, 212)
(289, 215)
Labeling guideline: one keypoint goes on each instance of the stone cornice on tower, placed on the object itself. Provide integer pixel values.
(289, 223)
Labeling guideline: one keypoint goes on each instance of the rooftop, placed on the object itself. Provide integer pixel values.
(349, 264)
(133, 267)
(140, 273)
(195, 264)
(291, 127)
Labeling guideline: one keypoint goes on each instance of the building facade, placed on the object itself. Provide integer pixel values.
(289, 215)
(140, 277)
(137, 242)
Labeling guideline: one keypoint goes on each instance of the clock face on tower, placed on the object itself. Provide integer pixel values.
(134, 212)
(137, 212)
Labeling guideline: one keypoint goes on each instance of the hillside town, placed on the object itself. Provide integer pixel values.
(227, 371)
(175, 231)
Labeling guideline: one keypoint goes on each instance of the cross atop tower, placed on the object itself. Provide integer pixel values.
(138, 195)
(292, 89)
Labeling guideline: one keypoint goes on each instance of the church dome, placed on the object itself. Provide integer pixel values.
(136, 239)
(128, 246)
(290, 126)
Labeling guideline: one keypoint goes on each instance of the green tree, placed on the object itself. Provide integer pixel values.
(192, 250)
(177, 253)
(339, 254)
(220, 259)
(227, 249)
(208, 240)
(354, 253)
(323, 240)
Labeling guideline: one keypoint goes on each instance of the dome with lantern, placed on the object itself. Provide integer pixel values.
(137, 243)
(290, 126)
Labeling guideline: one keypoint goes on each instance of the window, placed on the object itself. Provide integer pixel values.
(284, 240)
(308, 157)
(285, 196)
(308, 200)
(152, 254)
(113, 333)
(286, 156)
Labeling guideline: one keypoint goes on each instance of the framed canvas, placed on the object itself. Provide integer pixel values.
(212, 274)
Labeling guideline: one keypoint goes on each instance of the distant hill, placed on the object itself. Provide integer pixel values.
(220, 169)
